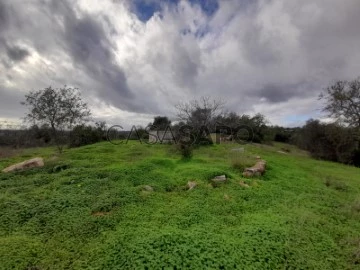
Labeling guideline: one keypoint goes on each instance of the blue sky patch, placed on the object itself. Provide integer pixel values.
(209, 7)
(145, 9)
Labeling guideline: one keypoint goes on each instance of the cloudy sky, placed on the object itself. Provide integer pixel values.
(136, 59)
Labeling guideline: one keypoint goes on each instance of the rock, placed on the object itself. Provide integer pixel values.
(226, 197)
(256, 170)
(243, 184)
(218, 180)
(258, 157)
(60, 168)
(148, 188)
(191, 185)
(31, 163)
(282, 152)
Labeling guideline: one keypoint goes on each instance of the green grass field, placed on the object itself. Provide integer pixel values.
(86, 209)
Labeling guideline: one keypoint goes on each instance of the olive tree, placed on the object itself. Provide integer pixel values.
(342, 101)
(61, 109)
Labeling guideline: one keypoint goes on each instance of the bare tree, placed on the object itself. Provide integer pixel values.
(342, 101)
(60, 108)
(199, 113)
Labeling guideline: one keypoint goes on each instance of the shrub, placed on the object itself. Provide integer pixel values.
(83, 135)
(329, 142)
(185, 150)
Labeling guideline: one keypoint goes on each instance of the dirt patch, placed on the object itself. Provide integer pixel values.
(100, 214)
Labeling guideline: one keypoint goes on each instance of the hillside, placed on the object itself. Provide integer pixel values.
(87, 209)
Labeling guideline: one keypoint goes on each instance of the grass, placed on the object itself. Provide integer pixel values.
(87, 209)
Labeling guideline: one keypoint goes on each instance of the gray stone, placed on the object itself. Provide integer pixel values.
(191, 185)
(219, 179)
(148, 188)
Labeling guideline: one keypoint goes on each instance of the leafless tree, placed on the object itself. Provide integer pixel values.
(198, 113)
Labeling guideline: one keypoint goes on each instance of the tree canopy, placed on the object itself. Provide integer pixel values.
(342, 101)
(59, 108)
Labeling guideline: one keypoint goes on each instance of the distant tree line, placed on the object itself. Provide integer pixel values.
(40, 136)
(59, 117)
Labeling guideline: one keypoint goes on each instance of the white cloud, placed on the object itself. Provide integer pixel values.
(272, 57)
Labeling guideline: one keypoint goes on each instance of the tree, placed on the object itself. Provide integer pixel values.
(342, 101)
(60, 108)
(255, 124)
(201, 116)
(161, 122)
(199, 113)
(329, 141)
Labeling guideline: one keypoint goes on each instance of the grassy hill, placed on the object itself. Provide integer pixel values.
(87, 209)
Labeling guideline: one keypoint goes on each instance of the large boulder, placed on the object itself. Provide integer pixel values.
(27, 164)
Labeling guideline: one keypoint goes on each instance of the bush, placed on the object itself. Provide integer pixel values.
(186, 150)
(83, 135)
(329, 142)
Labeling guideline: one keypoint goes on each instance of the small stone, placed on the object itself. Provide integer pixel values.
(220, 178)
(60, 168)
(226, 197)
(191, 185)
(148, 188)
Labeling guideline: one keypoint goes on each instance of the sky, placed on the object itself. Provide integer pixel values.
(133, 60)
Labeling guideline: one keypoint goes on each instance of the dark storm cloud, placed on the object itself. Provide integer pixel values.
(60, 28)
(275, 94)
(87, 43)
(89, 47)
(281, 52)
(16, 53)
(283, 92)
(3, 16)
